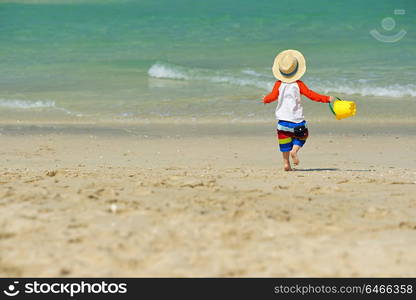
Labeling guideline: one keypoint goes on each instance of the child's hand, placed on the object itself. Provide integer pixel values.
(331, 98)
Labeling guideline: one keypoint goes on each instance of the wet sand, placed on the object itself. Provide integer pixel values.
(205, 200)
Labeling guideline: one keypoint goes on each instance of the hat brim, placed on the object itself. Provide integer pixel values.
(294, 77)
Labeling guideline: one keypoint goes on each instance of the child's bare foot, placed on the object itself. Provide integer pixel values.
(295, 158)
(286, 161)
(288, 168)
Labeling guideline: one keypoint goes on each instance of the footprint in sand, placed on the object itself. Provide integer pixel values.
(6, 235)
(51, 173)
(407, 225)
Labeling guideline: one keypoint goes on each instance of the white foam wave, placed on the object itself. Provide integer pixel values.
(26, 104)
(394, 91)
(159, 70)
(248, 77)
(253, 73)
(19, 104)
(241, 81)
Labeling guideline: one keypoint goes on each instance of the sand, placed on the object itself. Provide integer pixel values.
(112, 200)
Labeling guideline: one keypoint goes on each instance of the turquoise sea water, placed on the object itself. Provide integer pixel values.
(143, 59)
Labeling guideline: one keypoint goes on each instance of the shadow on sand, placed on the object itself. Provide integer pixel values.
(332, 169)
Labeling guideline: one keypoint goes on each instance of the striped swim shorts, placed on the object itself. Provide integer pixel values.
(286, 135)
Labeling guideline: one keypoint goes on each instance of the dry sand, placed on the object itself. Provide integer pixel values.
(104, 201)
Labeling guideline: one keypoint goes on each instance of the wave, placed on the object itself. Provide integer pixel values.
(159, 70)
(170, 71)
(248, 77)
(18, 104)
(366, 89)
(26, 104)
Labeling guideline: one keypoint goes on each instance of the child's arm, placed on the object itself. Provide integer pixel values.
(304, 90)
(274, 93)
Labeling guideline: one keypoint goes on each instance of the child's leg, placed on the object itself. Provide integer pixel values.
(286, 161)
(297, 145)
(285, 145)
(294, 154)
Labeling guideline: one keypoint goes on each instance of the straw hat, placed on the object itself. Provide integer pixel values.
(289, 66)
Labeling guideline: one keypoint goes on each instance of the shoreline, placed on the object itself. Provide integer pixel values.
(206, 128)
(369, 109)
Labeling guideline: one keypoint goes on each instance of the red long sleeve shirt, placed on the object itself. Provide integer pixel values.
(303, 89)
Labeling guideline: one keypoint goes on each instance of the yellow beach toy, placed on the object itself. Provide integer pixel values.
(343, 109)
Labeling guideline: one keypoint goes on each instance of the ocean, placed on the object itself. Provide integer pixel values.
(193, 59)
